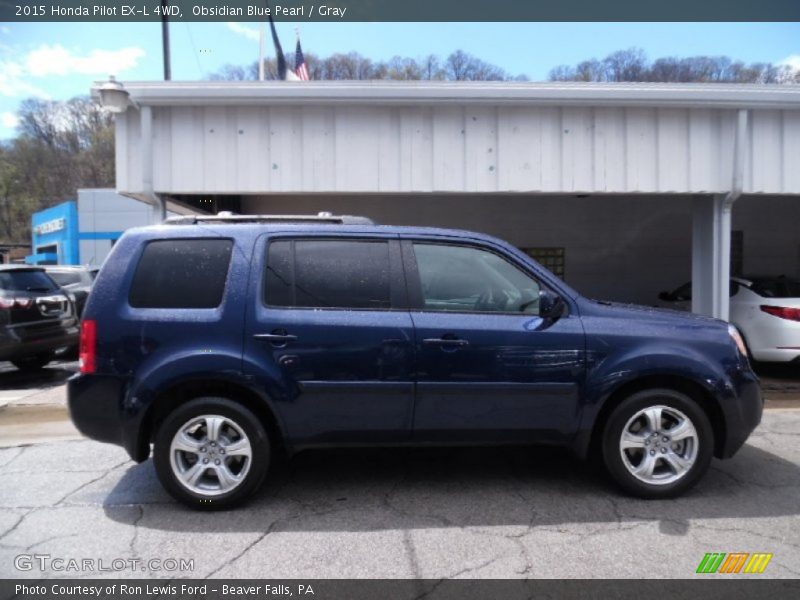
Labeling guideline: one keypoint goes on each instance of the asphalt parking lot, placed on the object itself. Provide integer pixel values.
(433, 513)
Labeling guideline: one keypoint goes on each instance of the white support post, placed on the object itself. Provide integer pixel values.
(159, 205)
(723, 209)
(711, 237)
(711, 256)
(704, 266)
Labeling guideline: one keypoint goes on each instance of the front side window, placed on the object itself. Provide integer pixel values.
(468, 279)
(350, 274)
(187, 273)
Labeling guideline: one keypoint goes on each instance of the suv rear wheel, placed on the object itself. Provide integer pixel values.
(657, 443)
(33, 363)
(211, 453)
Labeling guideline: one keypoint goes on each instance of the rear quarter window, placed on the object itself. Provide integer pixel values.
(181, 274)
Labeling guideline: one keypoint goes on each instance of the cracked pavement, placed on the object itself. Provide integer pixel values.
(420, 513)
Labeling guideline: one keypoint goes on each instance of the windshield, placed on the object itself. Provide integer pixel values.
(65, 277)
(780, 287)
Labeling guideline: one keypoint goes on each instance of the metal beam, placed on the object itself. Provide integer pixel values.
(232, 93)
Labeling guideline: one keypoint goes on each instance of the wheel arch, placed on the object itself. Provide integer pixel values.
(174, 396)
(701, 395)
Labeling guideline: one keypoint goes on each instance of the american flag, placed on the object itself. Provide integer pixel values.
(300, 67)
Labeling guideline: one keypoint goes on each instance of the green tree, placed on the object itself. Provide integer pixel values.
(61, 146)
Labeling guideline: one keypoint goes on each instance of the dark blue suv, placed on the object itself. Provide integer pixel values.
(215, 339)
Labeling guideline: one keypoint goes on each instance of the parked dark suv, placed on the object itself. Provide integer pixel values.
(217, 338)
(36, 317)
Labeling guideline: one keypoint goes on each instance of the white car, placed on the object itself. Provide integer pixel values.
(766, 310)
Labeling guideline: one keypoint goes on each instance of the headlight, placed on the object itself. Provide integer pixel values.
(737, 338)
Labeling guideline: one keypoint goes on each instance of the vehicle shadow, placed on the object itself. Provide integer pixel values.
(385, 489)
(779, 371)
(56, 373)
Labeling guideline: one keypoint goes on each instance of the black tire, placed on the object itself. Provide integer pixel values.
(71, 353)
(242, 418)
(613, 455)
(33, 363)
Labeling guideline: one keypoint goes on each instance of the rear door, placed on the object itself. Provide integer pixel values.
(331, 338)
(488, 366)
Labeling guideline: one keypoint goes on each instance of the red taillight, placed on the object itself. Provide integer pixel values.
(88, 346)
(11, 302)
(793, 314)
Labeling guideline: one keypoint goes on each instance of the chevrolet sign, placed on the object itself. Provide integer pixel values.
(50, 226)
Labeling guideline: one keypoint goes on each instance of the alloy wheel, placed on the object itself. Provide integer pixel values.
(210, 455)
(659, 445)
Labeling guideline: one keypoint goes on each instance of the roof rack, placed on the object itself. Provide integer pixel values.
(230, 217)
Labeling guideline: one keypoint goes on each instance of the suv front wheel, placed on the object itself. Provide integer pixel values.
(657, 443)
(211, 453)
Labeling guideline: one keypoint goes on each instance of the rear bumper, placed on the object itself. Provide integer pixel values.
(16, 344)
(773, 339)
(97, 408)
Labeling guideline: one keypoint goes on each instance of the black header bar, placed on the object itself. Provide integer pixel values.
(401, 10)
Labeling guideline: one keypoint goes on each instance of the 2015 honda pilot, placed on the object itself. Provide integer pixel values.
(213, 339)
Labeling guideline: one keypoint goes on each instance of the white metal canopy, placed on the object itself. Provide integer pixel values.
(710, 141)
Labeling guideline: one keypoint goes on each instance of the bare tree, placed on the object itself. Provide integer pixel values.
(625, 65)
(459, 66)
(632, 65)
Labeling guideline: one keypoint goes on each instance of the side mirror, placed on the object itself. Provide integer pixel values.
(666, 297)
(551, 306)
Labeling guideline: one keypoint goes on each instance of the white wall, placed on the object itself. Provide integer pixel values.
(103, 210)
(456, 148)
(625, 248)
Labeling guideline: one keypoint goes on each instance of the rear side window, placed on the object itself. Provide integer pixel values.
(328, 274)
(181, 274)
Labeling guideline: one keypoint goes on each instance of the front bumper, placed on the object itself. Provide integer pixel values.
(742, 409)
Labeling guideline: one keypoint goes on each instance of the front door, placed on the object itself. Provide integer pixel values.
(488, 367)
(327, 337)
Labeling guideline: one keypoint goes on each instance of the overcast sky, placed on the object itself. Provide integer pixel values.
(61, 60)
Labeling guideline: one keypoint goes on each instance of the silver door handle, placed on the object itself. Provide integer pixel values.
(444, 342)
(276, 337)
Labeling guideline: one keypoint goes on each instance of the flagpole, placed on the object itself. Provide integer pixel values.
(165, 41)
